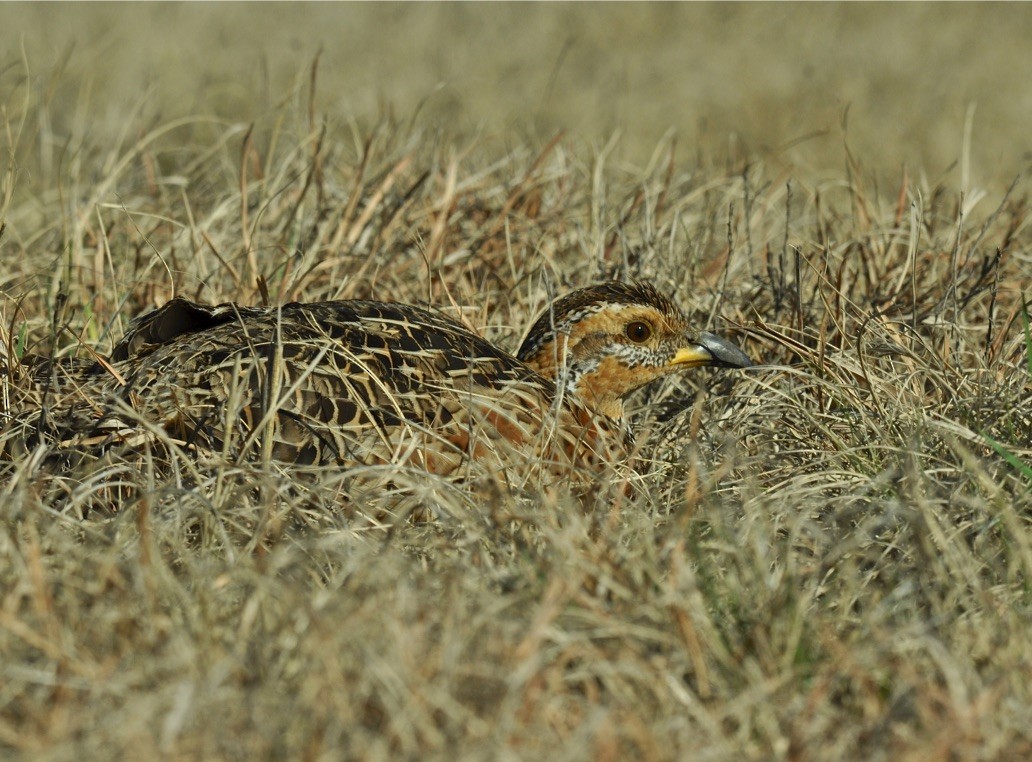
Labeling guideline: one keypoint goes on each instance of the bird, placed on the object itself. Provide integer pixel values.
(359, 383)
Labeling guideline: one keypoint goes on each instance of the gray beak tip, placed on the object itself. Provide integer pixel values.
(725, 354)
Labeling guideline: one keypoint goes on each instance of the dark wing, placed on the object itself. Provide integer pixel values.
(347, 382)
(175, 319)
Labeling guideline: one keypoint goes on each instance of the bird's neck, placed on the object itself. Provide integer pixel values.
(585, 382)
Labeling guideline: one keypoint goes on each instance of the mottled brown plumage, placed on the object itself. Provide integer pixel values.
(365, 383)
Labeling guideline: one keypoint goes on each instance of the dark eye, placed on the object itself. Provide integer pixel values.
(638, 331)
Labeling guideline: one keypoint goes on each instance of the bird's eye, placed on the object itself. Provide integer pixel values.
(638, 331)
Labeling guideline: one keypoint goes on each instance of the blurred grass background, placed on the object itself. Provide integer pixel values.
(767, 79)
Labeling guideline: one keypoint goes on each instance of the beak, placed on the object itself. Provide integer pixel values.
(712, 350)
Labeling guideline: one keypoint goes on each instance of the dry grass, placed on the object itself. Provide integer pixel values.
(831, 559)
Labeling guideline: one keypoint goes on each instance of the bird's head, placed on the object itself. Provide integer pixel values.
(607, 340)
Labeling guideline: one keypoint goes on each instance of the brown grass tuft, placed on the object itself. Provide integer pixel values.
(830, 559)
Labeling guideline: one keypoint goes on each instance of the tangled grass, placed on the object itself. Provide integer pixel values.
(830, 557)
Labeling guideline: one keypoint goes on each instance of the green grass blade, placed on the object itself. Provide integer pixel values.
(1023, 468)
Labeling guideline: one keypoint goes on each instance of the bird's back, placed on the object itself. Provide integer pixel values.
(346, 382)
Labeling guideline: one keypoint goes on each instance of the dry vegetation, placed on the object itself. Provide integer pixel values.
(831, 557)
